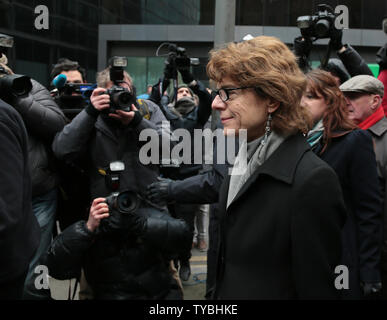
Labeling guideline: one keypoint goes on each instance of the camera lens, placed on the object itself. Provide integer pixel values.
(124, 99)
(322, 28)
(126, 202)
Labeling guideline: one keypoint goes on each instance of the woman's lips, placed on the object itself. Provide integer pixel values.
(225, 119)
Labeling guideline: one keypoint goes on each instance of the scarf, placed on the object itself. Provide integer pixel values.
(372, 119)
(315, 135)
(185, 105)
(257, 153)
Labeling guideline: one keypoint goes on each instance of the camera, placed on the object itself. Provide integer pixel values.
(11, 84)
(124, 202)
(318, 26)
(178, 59)
(14, 84)
(120, 98)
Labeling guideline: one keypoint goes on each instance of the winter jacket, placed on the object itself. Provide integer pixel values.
(121, 266)
(352, 157)
(280, 236)
(43, 119)
(19, 229)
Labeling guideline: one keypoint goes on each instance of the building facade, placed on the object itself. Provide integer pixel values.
(91, 31)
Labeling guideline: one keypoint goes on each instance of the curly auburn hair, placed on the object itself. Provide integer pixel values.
(267, 64)
(335, 118)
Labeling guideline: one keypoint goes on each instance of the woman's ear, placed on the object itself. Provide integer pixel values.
(272, 105)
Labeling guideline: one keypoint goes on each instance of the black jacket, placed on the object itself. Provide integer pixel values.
(353, 62)
(19, 229)
(280, 237)
(43, 119)
(353, 158)
(121, 266)
(131, 267)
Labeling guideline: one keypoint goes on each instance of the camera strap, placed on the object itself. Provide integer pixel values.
(144, 109)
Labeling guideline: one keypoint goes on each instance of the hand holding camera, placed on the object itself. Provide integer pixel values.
(100, 100)
(99, 210)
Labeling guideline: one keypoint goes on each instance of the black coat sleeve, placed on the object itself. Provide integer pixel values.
(202, 188)
(167, 233)
(318, 216)
(40, 113)
(366, 196)
(205, 101)
(353, 62)
(64, 257)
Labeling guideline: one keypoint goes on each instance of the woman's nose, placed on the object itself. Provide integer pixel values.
(218, 104)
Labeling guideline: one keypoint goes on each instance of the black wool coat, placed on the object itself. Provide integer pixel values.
(280, 237)
(353, 158)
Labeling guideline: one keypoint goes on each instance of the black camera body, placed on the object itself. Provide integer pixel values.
(120, 98)
(178, 59)
(318, 26)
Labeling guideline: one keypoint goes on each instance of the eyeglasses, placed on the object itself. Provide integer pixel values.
(224, 93)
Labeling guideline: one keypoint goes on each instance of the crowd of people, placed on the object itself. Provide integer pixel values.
(311, 197)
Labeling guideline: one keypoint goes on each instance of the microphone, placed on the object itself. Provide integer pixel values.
(59, 81)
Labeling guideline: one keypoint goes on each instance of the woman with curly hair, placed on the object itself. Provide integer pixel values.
(280, 219)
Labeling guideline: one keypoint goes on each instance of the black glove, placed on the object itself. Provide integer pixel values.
(336, 39)
(381, 57)
(302, 46)
(170, 71)
(136, 119)
(371, 288)
(183, 66)
(158, 192)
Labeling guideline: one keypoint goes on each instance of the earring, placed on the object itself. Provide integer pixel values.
(267, 129)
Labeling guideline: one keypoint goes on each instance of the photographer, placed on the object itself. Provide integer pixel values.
(349, 64)
(128, 255)
(43, 119)
(183, 113)
(66, 76)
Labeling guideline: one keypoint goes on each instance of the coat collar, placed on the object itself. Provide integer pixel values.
(380, 127)
(281, 165)
(108, 130)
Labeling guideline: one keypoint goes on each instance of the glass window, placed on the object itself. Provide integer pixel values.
(6, 14)
(36, 70)
(249, 12)
(155, 69)
(276, 13)
(373, 13)
(137, 69)
(24, 19)
(355, 12)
